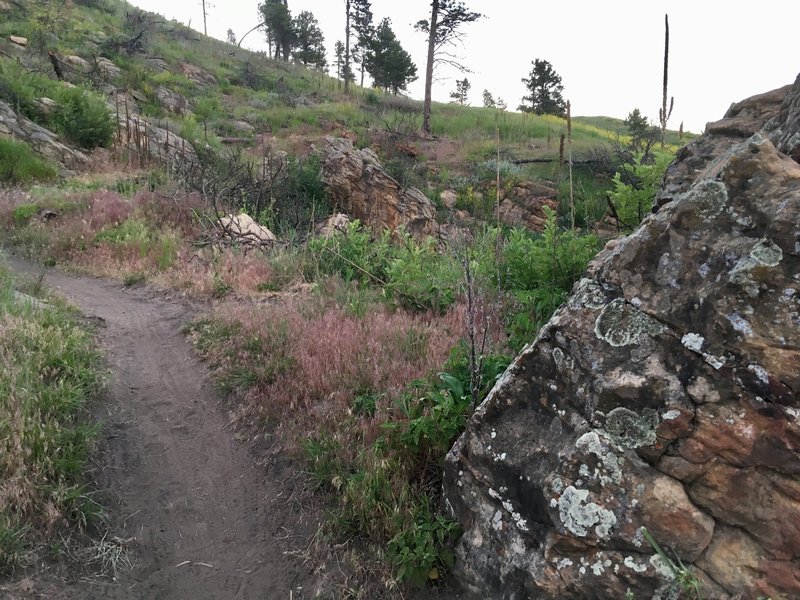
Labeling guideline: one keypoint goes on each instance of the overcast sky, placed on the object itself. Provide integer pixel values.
(609, 54)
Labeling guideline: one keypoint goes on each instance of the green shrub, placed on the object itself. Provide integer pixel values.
(539, 271)
(23, 213)
(423, 551)
(420, 277)
(84, 118)
(19, 165)
(353, 255)
(636, 186)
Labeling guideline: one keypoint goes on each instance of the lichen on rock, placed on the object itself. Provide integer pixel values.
(664, 395)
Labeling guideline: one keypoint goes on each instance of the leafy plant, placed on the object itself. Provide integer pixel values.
(423, 552)
(636, 186)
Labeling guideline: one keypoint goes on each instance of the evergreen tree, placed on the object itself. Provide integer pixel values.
(348, 9)
(231, 37)
(308, 41)
(545, 88)
(460, 94)
(643, 134)
(365, 31)
(338, 50)
(278, 22)
(443, 29)
(389, 65)
(488, 99)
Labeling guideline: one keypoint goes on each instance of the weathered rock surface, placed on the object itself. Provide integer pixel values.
(18, 40)
(336, 222)
(139, 135)
(77, 63)
(172, 101)
(524, 205)
(243, 229)
(664, 395)
(107, 68)
(41, 140)
(197, 75)
(360, 187)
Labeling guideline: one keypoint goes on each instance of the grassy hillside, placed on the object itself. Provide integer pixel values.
(277, 99)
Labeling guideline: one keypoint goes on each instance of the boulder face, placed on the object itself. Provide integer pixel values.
(41, 140)
(664, 396)
(524, 205)
(360, 187)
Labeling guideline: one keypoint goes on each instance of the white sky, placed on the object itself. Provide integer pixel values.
(608, 53)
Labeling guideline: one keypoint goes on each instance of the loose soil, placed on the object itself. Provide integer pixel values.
(201, 517)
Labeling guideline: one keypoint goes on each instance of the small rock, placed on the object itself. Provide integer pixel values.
(449, 198)
(18, 40)
(338, 222)
(242, 228)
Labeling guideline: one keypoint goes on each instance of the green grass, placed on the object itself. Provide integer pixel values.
(49, 370)
(19, 165)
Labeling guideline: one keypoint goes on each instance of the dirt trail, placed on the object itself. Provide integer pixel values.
(207, 521)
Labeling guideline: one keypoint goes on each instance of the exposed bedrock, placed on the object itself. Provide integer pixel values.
(662, 396)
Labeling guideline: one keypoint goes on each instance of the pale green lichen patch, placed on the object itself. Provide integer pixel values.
(564, 362)
(621, 324)
(767, 253)
(590, 294)
(579, 516)
(590, 443)
(711, 198)
(628, 429)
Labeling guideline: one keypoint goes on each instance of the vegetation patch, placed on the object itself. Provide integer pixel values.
(49, 370)
(19, 165)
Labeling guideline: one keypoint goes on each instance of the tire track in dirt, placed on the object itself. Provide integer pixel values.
(206, 520)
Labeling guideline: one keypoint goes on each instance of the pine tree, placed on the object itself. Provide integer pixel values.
(443, 29)
(389, 65)
(460, 94)
(231, 36)
(545, 88)
(278, 22)
(308, 40)
(365, 31)
(488, 99)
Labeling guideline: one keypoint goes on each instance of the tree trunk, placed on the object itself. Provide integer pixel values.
(426, 111)
(347, 47)
(205, 16)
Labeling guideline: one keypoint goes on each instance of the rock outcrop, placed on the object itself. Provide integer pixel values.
(41, 140)
(524, 205)
(360, 187)
(664, 396)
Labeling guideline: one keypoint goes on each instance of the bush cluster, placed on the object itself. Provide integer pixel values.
(80, 115)
(533, 272)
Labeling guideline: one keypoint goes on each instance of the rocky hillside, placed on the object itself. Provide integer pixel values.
(647, 443)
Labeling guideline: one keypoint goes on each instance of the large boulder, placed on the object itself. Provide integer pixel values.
(359, 186)
(663, 397)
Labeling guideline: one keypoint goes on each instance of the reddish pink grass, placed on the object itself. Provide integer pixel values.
(313, 361)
